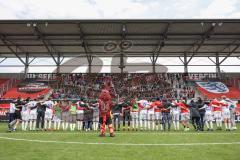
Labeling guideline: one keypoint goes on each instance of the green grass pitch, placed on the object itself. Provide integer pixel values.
(141, 145)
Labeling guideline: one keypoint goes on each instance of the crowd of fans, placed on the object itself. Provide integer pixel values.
(75, 86)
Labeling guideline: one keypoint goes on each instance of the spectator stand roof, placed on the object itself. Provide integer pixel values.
(185, 38)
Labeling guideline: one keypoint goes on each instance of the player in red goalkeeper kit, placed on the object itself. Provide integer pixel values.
(105, 106)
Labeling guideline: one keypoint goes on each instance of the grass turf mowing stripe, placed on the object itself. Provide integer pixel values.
(122, 144)
(132, 133)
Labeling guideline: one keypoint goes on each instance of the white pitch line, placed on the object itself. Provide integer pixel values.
(122, 144)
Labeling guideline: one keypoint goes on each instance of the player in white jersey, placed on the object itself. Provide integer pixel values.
(57, 116)
(232, 107)
(25, 114)
(80, 114)
(95, 107)
(208, 118)
(144, 105)
(175, 112)
(151, 116)
(33, 114)
(134, 114)
(48, 114)
(226, 113)
(233, 114)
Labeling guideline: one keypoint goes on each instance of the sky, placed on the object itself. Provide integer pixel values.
(118, 9)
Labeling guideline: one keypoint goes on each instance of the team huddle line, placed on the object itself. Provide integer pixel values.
(134, 114)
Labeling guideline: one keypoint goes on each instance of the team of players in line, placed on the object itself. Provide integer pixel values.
(135, 114)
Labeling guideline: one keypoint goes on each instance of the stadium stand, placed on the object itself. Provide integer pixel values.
(2, 81)
(149, 86)
(14, 93)
(15, 88)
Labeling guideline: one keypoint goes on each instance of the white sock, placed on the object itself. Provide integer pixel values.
(34, 125)
(174, 125)
(226, 125)
(63, 126)
(217, 122)
(211, 125)
(26, 125)
(229, 125)
(81, 125)
(207, 124)
(45, 124)
(66, 127)
(220, 123)
(49, 124)
(133, 124)
(74, 125)
(30, 125)
(153, 124)
(54, 125)
(78, 125)
(177, 125)
(23, 124)
(141, 123)
(96, 126)
(70, 126)
(148, 125)
(59, 124)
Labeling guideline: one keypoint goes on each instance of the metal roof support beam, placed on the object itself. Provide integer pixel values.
(70, 44)
(185, 62)
(46, 44)
(86, 49)
(159, 47)
(3, 59)
(212, 60)
(181, 59)
(26, 65)
(123, 36)
(230, 53)
(32, 60)
(153, 63)
(89, 57)
(58, 63)
(122, 65)
(12, 50)
(218, 71)
(204, 37)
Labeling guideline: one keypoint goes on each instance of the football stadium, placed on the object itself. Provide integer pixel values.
(120, 88)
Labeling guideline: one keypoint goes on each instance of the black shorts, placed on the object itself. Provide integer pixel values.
(108, 120)
(127, 117)
(17, 115)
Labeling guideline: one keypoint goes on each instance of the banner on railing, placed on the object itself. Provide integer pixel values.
(3, 114)
(43, 76)
(214, 87)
